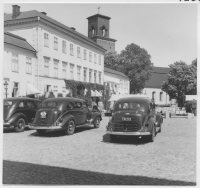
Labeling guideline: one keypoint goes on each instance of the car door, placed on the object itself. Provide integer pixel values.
(30, 110)
(85, 111)
(78, 110)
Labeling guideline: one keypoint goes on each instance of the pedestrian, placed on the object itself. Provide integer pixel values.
(194, 106)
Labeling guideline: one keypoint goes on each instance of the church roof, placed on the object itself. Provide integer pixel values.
(17, 41)
(99, 15)
(35, 13)
(158, 76)
(108, 70)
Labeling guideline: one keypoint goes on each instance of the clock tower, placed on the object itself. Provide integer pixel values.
(98, 30)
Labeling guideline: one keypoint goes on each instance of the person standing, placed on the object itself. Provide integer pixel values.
(194, 107)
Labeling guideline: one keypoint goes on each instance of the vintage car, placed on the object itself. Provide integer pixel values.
(18, 112)
(134, 115)
(64, 114)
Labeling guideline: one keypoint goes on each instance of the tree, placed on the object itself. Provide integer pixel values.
(181, 81)
(136, 64)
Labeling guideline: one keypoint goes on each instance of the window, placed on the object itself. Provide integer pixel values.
(90, 76)
(78, 52)
(161, 96)
(84, 75)
(46, 39)
(72, 72)
(64, 91)
(46, 67)
(90, 56)
(56, 68)
(21, 105)
(78, 105)
(30, 104)
(95, 77)
(78, 73)
(71, 49)
(85, 54)
(99, 59)
(64, 46)
(99, 78)
(153, 95)
(55, 43)
(14, 62)
(15, 91)
(28, 65)
(55, 90)
(95, 58)
(64, 69)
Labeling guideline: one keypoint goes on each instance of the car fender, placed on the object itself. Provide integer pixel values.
(13, 119)
(94, 115)
(66, 118)
(150, 124)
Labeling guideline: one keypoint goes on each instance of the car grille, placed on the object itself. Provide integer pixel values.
(132, 126)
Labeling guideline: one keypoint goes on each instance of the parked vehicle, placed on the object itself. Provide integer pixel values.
(134, 115)
(18, 112)
(64, 114)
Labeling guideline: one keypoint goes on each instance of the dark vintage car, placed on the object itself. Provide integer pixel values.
(18, 112)
(134, 115)
(64, 114)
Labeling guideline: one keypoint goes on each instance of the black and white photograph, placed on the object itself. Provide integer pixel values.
(100, 93)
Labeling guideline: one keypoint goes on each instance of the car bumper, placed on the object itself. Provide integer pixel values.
(129, 133)
(44, 127)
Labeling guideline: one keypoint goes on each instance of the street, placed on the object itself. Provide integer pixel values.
(89, 157)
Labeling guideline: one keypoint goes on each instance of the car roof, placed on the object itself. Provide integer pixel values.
(64, 99)
(136, 98)
(21, 98)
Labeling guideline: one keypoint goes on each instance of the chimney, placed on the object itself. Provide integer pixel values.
(16, 11)
(73, 28)
(44, 13)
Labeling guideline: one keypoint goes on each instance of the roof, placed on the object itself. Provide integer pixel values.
(35, 13)
(108, 70)
(61, 99)
(17, 41)
(139, 99)
(99, 15)
(158, 76)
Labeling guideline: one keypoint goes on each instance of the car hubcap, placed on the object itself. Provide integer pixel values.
(21, 124)
(71, 126)
(97, 122)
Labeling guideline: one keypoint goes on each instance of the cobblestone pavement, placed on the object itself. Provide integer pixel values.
(89, 157)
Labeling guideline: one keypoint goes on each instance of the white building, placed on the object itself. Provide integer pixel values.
(62, 52)
(18, 66)
(153, 86)
(119, 83)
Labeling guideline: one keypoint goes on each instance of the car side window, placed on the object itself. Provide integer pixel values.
(84, 105)
(37, 103)
(21, 105)
(78, 105)
(30, 104)
(70, 106)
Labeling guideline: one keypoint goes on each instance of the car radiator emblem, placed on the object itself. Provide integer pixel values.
(43, 114)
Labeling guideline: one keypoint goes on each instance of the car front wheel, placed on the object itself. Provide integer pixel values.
(20, 125)
(70, 128)
(151, 137)
(97, 122)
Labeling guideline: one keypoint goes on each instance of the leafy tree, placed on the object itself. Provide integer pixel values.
(136, 64)
(181, 81)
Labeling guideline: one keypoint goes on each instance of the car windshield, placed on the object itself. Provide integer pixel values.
(7, 103)
(129, 106)
(49, 104)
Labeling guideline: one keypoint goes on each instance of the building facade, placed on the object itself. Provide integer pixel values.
(153, 86)
(118, 82)
(18, 66)
(62, 52)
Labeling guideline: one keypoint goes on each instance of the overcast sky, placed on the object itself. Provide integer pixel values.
(167, 31)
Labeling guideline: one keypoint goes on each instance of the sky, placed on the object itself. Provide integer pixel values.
(168, 31)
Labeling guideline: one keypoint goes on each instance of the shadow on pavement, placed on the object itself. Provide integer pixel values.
(12, 130)
(133, 140)
(27, 173)
(58, 133)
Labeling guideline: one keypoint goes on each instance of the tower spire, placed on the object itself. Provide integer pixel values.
(98, 9)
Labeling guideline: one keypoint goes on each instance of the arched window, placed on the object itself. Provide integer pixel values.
(153, 96)
(161, 96)
(103, 31)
